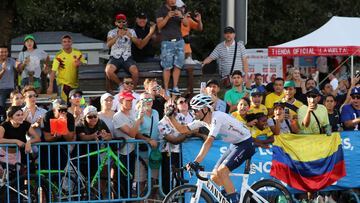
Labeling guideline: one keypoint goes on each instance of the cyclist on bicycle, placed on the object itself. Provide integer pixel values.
(227, 128)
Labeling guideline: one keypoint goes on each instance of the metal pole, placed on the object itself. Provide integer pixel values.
(230, 17)
(223, 23)
(241, 15)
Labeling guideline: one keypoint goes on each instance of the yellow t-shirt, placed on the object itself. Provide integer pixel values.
(272, 98)
(296, 103)
(262, 109)
(236, 115)
(257, 133)
(68, 73)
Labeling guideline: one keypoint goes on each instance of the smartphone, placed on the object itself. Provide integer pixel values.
(357, 73)
(203, 87)
(173, 8)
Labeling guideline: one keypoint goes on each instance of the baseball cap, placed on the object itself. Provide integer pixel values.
(141, 15)
(29, 37)
(120, 16)
(289, 83)
(255, 92)
(355, 90)
(212, 81)
(75, 91)
(229, 29)
(127, 95)
(90, 109)
(155, 159)
(105, 96)
(313, 91)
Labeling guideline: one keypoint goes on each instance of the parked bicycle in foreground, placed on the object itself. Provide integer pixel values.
(263, 191)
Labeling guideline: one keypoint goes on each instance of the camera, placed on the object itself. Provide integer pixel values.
(170, 110)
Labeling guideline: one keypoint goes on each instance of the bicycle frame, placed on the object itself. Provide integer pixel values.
(215, 192)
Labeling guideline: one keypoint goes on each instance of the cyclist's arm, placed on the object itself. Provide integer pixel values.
(183, 129)
(204, 149)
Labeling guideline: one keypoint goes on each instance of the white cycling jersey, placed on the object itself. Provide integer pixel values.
(225, 127)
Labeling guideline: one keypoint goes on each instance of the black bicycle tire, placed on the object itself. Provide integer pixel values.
(205, 195)
(271, 183)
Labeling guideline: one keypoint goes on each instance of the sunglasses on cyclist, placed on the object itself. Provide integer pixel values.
(147, 100)
(355, 96)
(91, 116)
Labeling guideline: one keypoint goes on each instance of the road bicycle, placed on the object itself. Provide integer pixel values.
(264, 191)
(72, 185)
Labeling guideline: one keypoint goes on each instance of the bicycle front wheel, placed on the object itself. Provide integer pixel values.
(269, 190)
(183, 194)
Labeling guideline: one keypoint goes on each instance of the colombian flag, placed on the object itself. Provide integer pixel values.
(308, 162)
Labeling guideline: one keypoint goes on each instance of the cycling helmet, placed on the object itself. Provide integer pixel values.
(200, 101)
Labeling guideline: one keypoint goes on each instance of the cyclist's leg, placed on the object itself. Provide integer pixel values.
(239, 153)
(215, 176)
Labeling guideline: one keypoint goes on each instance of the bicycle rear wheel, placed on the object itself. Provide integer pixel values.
(272, 191)
(183, 194)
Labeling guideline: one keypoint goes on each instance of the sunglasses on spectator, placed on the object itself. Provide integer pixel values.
(62, 110)
(121, 21)
(355, 96)
(312, 96)
(18, 98)
(182, 102)
(147, 99)
(129, 83)
(91, 116)
(32, 95)
(76, 97)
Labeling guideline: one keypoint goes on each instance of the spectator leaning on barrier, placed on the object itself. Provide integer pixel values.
(66, 68)
(261, 132)
(106, 114)
(120, 40)
(14, 131)
(279, 124)
(313, 118)
(212, 89)
(169, 19)
(7, 75)
(334, 115)
(238, 90)
(256, 106)
(350, 113)
(275, 96)
(291, 104)
(126, 125)
(258, 78)
(30, 63)
(75, 100)
(142, 29)
(148, 132)
(224, 53)
(32, 113)
(170, 140)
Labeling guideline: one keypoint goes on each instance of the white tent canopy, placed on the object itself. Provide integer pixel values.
(339, 36)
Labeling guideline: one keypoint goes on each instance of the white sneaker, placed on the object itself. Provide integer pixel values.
(189, 60)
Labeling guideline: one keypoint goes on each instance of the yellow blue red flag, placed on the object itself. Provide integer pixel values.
(308, 162)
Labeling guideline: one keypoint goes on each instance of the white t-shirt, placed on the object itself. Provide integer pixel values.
(284, 128)
(334, 83)
(122, 46)
(166, 128)
(181, 118)
(120, 120)
(35, 57)
(225, 127)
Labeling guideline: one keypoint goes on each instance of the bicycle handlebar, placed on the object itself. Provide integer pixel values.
(178, 171)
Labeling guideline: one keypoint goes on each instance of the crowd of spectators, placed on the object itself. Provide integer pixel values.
(295, 104)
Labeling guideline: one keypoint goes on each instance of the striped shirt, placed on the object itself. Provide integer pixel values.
(225, 56)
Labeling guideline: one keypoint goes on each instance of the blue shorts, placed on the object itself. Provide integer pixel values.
(172, 54)
(237, 154)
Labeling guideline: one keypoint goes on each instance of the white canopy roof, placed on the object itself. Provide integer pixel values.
(339, 36)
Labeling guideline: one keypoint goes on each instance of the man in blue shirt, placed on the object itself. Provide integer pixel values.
(259, 83)
(350, 114)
